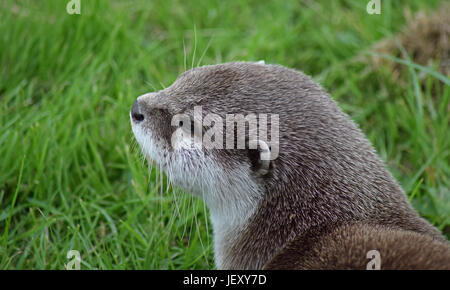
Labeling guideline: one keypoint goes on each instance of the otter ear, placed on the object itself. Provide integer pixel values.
(259, 155)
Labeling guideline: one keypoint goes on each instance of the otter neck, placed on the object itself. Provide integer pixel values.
(249, 241)
(228, 231)
(232, 205)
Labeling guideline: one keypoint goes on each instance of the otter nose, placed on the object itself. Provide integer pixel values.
(136, 113)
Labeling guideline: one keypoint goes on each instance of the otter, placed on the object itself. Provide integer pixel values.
(323, 202)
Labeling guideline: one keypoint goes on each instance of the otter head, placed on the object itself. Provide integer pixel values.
(183, 129)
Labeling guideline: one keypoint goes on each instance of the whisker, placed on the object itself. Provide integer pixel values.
(185, 57)
(153, 87)
(186, 213)
(176, 203)
(204, 52)
(195, 46)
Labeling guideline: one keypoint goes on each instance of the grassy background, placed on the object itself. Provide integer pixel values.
(70, 174)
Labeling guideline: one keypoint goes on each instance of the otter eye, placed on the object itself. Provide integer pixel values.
(187, 128)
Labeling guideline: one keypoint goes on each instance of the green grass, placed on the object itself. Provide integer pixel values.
(71, 176)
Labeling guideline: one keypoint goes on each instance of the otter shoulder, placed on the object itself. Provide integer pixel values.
(349, 246)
